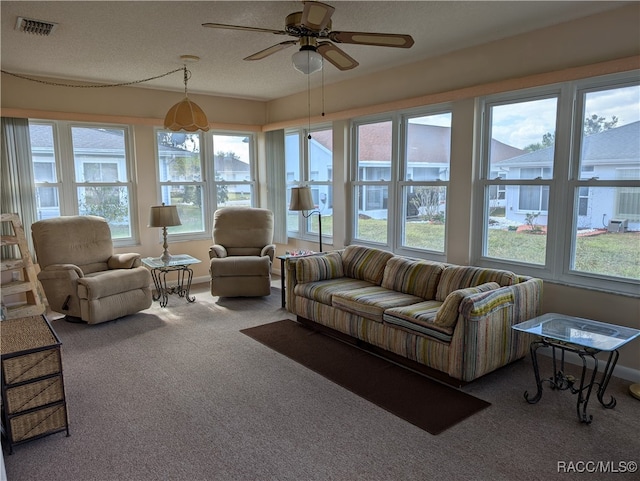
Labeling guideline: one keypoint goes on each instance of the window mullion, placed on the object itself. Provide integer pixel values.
(69, 190)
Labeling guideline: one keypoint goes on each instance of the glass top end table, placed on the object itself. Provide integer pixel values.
(159, 270)
(584, 337)
(579, 331)
(177, 260)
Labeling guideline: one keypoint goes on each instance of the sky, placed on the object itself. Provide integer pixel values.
(525, 123)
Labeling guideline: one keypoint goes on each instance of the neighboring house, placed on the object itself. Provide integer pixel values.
(612, 155)
(321, 167)
(428, 157)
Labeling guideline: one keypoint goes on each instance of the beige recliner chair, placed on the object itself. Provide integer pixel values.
(81, 275)
(242, 252)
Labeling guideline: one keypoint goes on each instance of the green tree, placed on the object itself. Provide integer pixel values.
(108, 202)
(596, 124)
(222, 191)
(426, 200)
(548, 140)
(592, 125)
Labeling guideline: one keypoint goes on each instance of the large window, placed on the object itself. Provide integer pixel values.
(606, 177)
(519, 153)
(180, 172)
(187, 160)
(84, 169)
(233, 175)
(570, 173)
(425, 166)
(400, 180)
(309, 161)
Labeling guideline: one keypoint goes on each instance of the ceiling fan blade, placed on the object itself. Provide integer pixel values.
(246, 29)
(336, 56)
(271, 50)
(316, 15)
(378, 39)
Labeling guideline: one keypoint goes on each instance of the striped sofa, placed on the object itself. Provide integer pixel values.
(452, 319)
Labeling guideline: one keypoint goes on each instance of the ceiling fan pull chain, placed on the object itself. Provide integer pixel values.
(309, 103)
(323, 86)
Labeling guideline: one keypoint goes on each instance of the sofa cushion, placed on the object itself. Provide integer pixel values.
(365, 263)
(418, 318)
(461, 277)
(447, 315)
(411, 276)
(371, 302)
(323, 291)
(319, 268)
(240, 266)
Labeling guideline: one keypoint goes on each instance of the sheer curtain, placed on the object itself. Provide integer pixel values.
(17, 191)
(277, 192)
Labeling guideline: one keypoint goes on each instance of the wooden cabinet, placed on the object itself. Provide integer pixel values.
(33, 397)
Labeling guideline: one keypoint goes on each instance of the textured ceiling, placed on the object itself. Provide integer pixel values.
(123, 41)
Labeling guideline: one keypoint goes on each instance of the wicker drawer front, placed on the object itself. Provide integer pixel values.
(38, 422)
(34, 395)
(31, 366)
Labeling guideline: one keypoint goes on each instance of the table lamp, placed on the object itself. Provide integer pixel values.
(301, 200)
(164, 216)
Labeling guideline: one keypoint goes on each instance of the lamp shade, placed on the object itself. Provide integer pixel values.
(164, 216)
(301, 199)
(186, 115)
(307, 61)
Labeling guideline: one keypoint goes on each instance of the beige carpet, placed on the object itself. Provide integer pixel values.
(377, 380)
(181, 394)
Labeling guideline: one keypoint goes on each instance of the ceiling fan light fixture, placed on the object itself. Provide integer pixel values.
(307, 61)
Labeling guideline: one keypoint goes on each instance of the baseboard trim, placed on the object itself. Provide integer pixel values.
(622, 372)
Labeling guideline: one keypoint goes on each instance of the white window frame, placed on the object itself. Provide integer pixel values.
(564, 210)
(396, 184)
(210, 151)
(303, 231)
(390, 184)
(67, 183)
(208, 183)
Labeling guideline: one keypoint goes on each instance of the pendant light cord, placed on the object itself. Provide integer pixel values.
(187, 76)
(96, 86)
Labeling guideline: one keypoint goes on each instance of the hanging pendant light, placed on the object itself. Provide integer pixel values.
(186, 115)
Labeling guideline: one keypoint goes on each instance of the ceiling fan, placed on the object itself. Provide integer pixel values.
(312, 26)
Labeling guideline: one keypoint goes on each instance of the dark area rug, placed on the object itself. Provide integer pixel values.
(425, 403)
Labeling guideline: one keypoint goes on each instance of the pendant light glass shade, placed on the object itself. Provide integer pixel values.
(186, 115)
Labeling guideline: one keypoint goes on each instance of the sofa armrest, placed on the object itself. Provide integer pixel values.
(60, 284)
(269, 250)
(111, 282)
(217, 251)
(60, 271)
(291, 283)
(483, 335)
(127, 260)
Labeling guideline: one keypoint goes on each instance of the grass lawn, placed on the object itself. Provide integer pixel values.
(608, 253)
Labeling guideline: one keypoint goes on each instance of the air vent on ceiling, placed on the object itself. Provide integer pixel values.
(39, 27)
